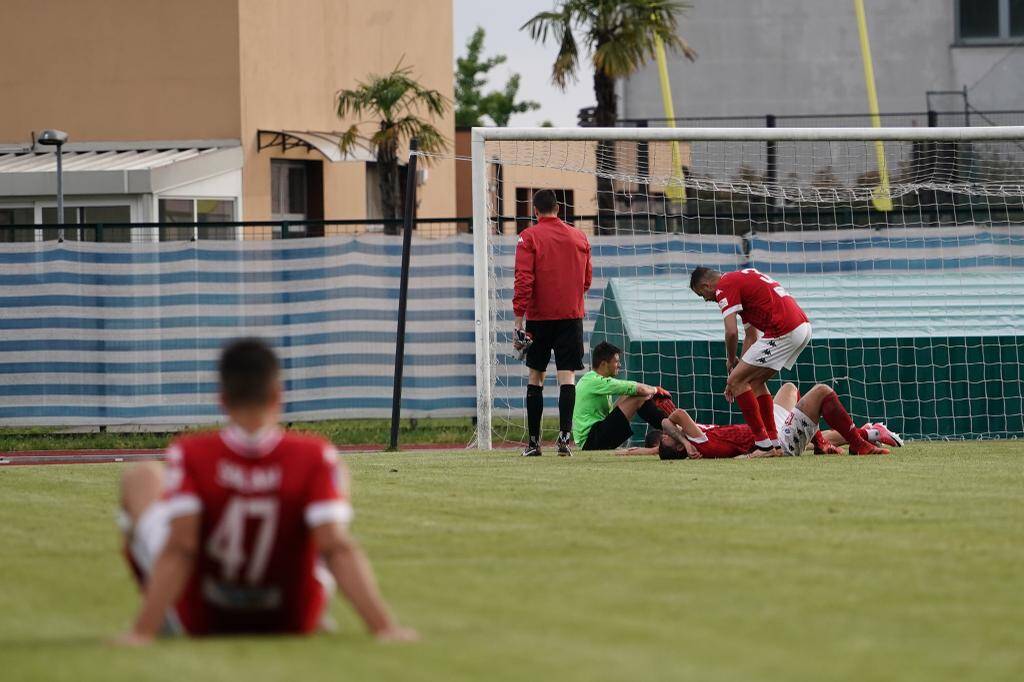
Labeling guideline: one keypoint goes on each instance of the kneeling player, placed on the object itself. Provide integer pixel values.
(229, 538)
(795, 432)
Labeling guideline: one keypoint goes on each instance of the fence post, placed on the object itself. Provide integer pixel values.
(408, 221)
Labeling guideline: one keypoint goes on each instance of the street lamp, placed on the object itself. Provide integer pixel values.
(57, 138)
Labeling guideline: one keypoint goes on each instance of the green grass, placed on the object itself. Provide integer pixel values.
(906, 567)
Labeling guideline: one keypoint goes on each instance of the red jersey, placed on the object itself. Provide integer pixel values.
(725, 441)
(553, 271)
(760, 301)
(258, 498)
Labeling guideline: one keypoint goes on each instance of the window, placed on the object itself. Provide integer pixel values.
(297, 193)
(193, 212)
(524, 206)
(99, 215)
(16, 216)
(989, 21)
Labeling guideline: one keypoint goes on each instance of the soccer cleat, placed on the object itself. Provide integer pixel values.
(867, 449)
(532, 450)
(886, 436)
(823, 446)
(563, 445)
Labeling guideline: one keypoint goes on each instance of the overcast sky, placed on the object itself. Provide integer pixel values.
(501, 20)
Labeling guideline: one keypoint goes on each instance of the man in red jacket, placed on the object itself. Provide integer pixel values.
(553, 274)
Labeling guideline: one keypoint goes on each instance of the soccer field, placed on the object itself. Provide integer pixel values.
(903, 567)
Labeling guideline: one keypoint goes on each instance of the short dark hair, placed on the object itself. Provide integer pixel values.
(652, 438)
(603, 352)
(248, 370)
(669, 449)
(699, 275)
(545, 202)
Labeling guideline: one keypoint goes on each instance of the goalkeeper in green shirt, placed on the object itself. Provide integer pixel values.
(598, 423)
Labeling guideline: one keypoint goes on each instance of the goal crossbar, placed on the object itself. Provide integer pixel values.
(905, 134)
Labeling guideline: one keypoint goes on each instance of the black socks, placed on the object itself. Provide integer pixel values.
(566, 404)
(534, 410)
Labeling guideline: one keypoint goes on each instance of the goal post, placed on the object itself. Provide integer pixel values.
(931, 339)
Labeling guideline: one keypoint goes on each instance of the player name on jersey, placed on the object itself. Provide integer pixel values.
(248, 479)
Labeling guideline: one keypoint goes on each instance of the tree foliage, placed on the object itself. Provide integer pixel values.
(401, 109)
(471, 104)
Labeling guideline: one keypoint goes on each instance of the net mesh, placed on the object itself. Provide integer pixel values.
(907, 255)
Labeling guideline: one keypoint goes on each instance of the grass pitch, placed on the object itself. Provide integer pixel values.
(905, 567)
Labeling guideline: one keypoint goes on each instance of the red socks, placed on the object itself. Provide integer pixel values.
(766, 405)
(836, 417)
(752, 415)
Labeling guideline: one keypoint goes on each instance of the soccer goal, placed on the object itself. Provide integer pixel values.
(904, 245)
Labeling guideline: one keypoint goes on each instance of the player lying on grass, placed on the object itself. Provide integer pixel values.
(245, 530)
(679, 436)
(788, 396)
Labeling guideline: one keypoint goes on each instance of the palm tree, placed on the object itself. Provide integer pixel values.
(394, 101)
(620, 36)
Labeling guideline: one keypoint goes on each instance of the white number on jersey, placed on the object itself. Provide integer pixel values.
(227, 542)
(778, 289)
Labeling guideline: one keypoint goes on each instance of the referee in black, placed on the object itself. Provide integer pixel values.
(553, 274)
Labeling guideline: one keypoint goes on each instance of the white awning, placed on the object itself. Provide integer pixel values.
(97, 169)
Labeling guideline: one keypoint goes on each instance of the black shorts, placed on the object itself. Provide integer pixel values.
(610, 432)
(565, 337)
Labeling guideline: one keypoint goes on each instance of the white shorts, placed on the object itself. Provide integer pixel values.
(780, 351)
(795, 430)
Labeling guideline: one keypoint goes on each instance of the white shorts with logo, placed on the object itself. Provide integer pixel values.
(795, 430)
(780, 351)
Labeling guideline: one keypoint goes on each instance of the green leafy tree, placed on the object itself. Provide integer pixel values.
(471, 104)
(394, 101)
(620, 37)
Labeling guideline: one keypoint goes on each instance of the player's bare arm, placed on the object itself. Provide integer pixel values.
(170, 573)
(351, 570)
(732, 337)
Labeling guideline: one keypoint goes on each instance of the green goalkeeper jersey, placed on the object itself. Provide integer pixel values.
(594, 402)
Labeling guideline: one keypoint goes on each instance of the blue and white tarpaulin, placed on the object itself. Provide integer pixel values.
(115, 333)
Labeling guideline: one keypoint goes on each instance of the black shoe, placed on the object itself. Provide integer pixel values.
(563, 445)
(532, 450)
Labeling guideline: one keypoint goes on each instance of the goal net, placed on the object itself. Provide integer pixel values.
(905, 246)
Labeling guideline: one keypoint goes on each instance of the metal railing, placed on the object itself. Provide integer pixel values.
(258, 229)
(968, 116)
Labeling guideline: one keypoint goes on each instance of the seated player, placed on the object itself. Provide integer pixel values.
(245, 528)
(799, 426)
(597, 423)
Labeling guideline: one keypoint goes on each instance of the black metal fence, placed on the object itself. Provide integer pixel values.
(268, 229)
(967, 116)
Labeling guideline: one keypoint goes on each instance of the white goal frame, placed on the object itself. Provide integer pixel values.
(481, 231)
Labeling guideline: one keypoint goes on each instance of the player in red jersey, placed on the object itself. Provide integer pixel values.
(796, 428)
(246, 528)
(776, 332)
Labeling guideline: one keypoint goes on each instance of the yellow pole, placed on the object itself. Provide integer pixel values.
(880, 197)
(676, 189)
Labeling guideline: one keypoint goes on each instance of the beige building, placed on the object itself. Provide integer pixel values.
(206, 110)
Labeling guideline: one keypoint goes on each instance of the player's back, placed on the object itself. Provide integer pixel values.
(760, 301)
(561, 254)
(730, 440)
(258, 498)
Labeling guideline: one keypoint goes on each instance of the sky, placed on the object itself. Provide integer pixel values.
(501, 20)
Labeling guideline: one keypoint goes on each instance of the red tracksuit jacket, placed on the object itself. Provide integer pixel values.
(553, 271)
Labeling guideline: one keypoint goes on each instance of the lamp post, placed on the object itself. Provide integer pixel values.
(57, 138)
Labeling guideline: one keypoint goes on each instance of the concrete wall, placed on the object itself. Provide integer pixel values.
(296, 55)
(119, 69)
(803, 57)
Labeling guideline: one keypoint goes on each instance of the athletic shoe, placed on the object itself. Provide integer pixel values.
(827, 448)
(886, 436)
(867, 449)
(563, 445)
(532, 450)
